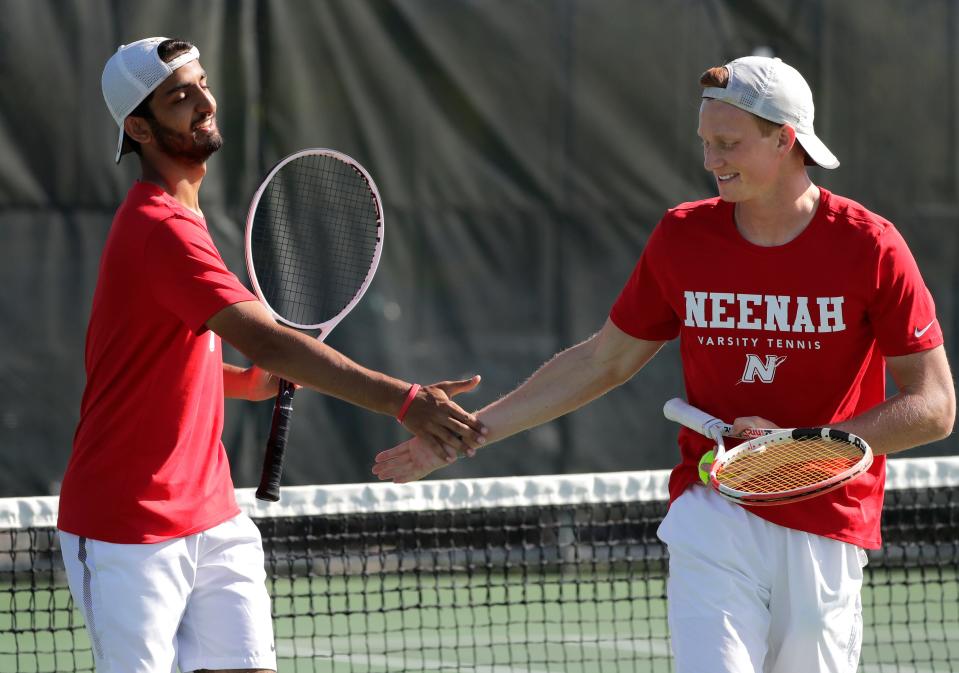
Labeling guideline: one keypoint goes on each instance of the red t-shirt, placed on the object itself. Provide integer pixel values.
(148, 463)
(794, 333)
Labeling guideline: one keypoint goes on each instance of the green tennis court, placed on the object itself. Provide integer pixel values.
(508, 623)
(521, 623)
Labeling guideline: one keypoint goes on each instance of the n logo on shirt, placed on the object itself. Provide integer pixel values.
(764, 371)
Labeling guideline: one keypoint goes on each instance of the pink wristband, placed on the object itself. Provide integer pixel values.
(415, 388)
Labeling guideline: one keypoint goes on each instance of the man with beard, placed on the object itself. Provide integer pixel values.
(166, 569)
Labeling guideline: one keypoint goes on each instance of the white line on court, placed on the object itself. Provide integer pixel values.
(303, 647)
(371, 661)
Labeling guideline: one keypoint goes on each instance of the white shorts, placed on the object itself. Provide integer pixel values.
(197, 602)
(748, 596)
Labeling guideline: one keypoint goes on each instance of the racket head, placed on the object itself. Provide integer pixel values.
(314, 238)
(790, 466)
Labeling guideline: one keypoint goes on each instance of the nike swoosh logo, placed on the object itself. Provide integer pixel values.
(919, 332)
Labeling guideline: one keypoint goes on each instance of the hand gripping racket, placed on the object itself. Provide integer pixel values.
(314, 236)
(776, 465)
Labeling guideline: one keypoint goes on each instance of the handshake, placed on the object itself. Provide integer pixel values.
(443, 432)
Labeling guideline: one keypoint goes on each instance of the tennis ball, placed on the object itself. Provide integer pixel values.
(703, 473)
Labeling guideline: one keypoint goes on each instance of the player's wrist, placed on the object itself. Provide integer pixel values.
(407, 402)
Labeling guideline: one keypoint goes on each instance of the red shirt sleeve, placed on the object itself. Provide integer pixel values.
(187, 275)
(902, 311)
(642, 310)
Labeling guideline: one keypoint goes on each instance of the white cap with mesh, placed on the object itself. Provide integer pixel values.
(132, 74)
(770, 89)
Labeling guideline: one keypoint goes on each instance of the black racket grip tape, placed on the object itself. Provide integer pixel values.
(269, 488)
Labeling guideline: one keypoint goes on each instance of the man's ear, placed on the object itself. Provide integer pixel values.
(138, 129)
(787, 138)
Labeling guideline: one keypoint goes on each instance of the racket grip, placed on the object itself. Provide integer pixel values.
(679, 411)
(269, 488)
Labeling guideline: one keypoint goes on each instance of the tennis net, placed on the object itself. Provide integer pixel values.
(513, 575)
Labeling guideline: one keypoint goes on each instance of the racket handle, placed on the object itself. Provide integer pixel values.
(679, 411)
(269, 488)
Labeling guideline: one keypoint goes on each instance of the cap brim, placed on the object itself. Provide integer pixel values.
(119, 146)
(124, 145)
(817, 150)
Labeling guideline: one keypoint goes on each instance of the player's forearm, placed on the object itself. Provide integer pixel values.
(922, 411)
(906, 420)
(560, 386)
(296, 357)
(568, 381)
(310, 363)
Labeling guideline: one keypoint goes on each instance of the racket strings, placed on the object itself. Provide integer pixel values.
(789, 464)
(314, 238)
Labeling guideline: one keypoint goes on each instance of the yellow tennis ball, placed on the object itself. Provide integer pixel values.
(707, 458)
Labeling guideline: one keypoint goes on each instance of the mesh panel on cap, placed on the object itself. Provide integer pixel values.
(144, 67)
(121, 98)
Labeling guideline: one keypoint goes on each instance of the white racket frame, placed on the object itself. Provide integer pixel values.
(327, 326)
(760, 439)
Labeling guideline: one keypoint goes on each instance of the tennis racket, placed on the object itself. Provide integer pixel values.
(314, 236)
(776, 465)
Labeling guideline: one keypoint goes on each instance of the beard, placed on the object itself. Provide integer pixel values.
(192, 148)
